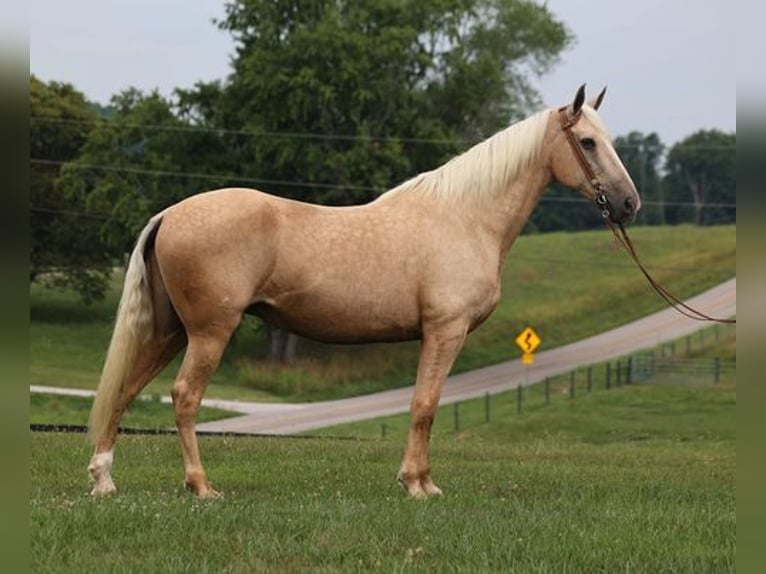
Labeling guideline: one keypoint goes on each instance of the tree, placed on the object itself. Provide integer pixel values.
(61, 252)
(354, 97)
(139, 160)
(701, 169)
(642, 155)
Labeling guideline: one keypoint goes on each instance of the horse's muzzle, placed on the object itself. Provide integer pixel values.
(622, 212)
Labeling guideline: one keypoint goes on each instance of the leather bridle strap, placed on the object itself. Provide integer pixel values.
(566, 126)
(622, 236)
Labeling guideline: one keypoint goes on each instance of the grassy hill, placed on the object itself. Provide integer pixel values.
(566, 285)
(636, 479)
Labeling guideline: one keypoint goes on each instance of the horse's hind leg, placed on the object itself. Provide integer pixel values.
(155, 356)
(203, 355)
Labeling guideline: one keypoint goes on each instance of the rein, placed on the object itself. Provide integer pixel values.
(622, 237)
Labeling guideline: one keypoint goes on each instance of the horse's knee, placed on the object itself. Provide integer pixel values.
(422, 414)
(185, 401)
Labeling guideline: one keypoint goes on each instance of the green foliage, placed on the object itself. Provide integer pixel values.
(62, 247)
(376, 87)
(135, 163)
(533, 494)
(702, 169)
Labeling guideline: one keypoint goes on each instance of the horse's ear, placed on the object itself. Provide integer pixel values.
(579, 100)
(595, 103)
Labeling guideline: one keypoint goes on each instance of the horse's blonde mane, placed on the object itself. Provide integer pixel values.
(485, 169)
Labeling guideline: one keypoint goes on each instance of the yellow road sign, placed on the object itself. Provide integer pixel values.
(528, 340)
(528, 358)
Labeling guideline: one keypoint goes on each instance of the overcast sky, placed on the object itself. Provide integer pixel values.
(669, 64)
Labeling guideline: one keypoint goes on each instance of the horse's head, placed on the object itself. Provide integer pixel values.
(584, 159)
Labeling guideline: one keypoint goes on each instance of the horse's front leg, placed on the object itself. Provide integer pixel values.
(440, 347)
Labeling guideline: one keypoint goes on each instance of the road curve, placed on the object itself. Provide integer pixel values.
(666, 325)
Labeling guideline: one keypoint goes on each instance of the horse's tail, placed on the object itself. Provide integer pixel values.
(132, 328)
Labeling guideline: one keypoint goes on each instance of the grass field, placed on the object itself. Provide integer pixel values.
(567, 285)
(638, 479)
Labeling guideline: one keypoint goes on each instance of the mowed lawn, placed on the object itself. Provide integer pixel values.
(635, 479)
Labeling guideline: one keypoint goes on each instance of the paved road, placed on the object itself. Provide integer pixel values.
(666, 325)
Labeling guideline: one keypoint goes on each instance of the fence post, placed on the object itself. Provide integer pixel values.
(383, 430)
(619, 373)
(547, 391)
(590, 377)
(572, 385)
(518, 399)
(608, 376)
(486, 408)
(716, 369)
(456, 411)
(629, 371)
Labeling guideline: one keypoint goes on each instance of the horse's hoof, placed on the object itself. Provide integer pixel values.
(418, 487)
(210, 494)
(103, 488)
(203, 490)
(430, 488)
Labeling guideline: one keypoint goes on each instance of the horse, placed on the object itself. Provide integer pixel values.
(421, 261)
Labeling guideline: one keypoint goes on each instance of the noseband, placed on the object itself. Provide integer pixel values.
(622, 237)
(566, 124)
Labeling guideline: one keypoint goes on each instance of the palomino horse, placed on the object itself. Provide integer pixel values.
(422, 261)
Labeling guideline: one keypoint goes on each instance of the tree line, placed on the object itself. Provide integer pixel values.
(332, 103)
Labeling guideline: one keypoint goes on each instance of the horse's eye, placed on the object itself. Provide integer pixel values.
(588, 143)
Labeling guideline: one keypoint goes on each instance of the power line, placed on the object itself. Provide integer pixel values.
(303, 135)
(305, 184)
(179, 174)
(249, 133)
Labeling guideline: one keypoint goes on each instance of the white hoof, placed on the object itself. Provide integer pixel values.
(100, 468)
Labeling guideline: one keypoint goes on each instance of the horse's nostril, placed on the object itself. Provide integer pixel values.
(629, 205)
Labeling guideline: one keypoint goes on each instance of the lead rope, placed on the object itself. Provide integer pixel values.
(669, 298)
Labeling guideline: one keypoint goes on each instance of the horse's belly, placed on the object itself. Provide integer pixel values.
(331, 321)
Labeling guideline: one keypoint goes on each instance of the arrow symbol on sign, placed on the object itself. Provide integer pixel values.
(526, 341)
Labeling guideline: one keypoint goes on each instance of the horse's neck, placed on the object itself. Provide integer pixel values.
(506, 214)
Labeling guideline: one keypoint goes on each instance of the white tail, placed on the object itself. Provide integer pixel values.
(132, 329)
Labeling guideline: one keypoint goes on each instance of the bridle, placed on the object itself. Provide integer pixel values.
(622, 237)
(566, 124)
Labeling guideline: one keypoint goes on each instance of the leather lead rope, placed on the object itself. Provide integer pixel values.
(622, 237)
(671, 299)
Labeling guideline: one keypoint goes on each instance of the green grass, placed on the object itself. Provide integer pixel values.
(566, 285)
(144, 414)
(636, 479)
